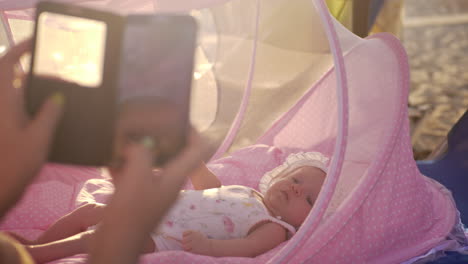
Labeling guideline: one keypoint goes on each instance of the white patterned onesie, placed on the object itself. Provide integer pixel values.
(227, 212)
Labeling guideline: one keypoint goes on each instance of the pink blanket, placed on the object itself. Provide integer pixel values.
(57, 191)
(60, 189)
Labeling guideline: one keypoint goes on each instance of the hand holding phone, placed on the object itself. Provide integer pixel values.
(106, 65)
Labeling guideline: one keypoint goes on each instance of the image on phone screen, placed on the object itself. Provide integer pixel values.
(70, 48)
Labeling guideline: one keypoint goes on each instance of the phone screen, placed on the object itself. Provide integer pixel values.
(70, 48)
(155, 81)
(157, 58)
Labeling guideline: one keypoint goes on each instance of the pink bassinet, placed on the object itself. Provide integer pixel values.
(285, 74)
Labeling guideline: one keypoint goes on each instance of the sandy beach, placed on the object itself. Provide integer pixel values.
(435, 36)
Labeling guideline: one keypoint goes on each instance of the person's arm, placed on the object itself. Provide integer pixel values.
(24, 141)
(140, 201)
(202, 178)
(262, 239)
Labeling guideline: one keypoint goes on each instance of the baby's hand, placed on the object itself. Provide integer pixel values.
(196, 242)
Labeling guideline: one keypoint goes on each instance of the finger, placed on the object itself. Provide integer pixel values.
(42, 127)
(140, 156)
(187, 247)
(137, 160)
(14, 54)
(187, 233)
(173, 238)
(19, 100)
(186, 241)
(7, 73)
(21, 78)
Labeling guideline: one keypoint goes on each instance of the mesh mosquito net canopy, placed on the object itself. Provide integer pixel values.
(285, 73)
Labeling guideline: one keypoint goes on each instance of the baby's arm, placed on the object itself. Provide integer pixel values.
(202, 178)
(259, 241)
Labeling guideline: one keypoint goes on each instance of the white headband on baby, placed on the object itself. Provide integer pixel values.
(292, 162)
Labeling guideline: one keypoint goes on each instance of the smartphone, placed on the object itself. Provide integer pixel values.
(154, 83)
(123, 78)
(76, 52)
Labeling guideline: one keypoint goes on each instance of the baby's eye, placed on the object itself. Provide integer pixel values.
(294, 180)
(309, 201)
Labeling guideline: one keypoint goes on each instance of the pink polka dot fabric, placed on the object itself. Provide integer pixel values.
(378, 208)
(52, 195)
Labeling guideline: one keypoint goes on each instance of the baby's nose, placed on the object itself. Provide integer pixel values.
(296, 189)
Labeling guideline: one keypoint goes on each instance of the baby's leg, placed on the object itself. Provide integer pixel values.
(19, 238)
(76, 244)
(70, 246)
(73, 223)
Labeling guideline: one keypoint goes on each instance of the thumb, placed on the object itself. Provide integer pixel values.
(43, 126)
(138, 155)
(138, 159)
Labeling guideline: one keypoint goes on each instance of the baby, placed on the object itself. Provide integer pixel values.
(239, 221)
(211, 220)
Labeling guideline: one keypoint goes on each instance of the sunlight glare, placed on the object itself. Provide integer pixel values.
(201, 69)
(58, 56)
(197, 75)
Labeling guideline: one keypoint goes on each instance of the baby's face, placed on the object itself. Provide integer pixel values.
(294, 194)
